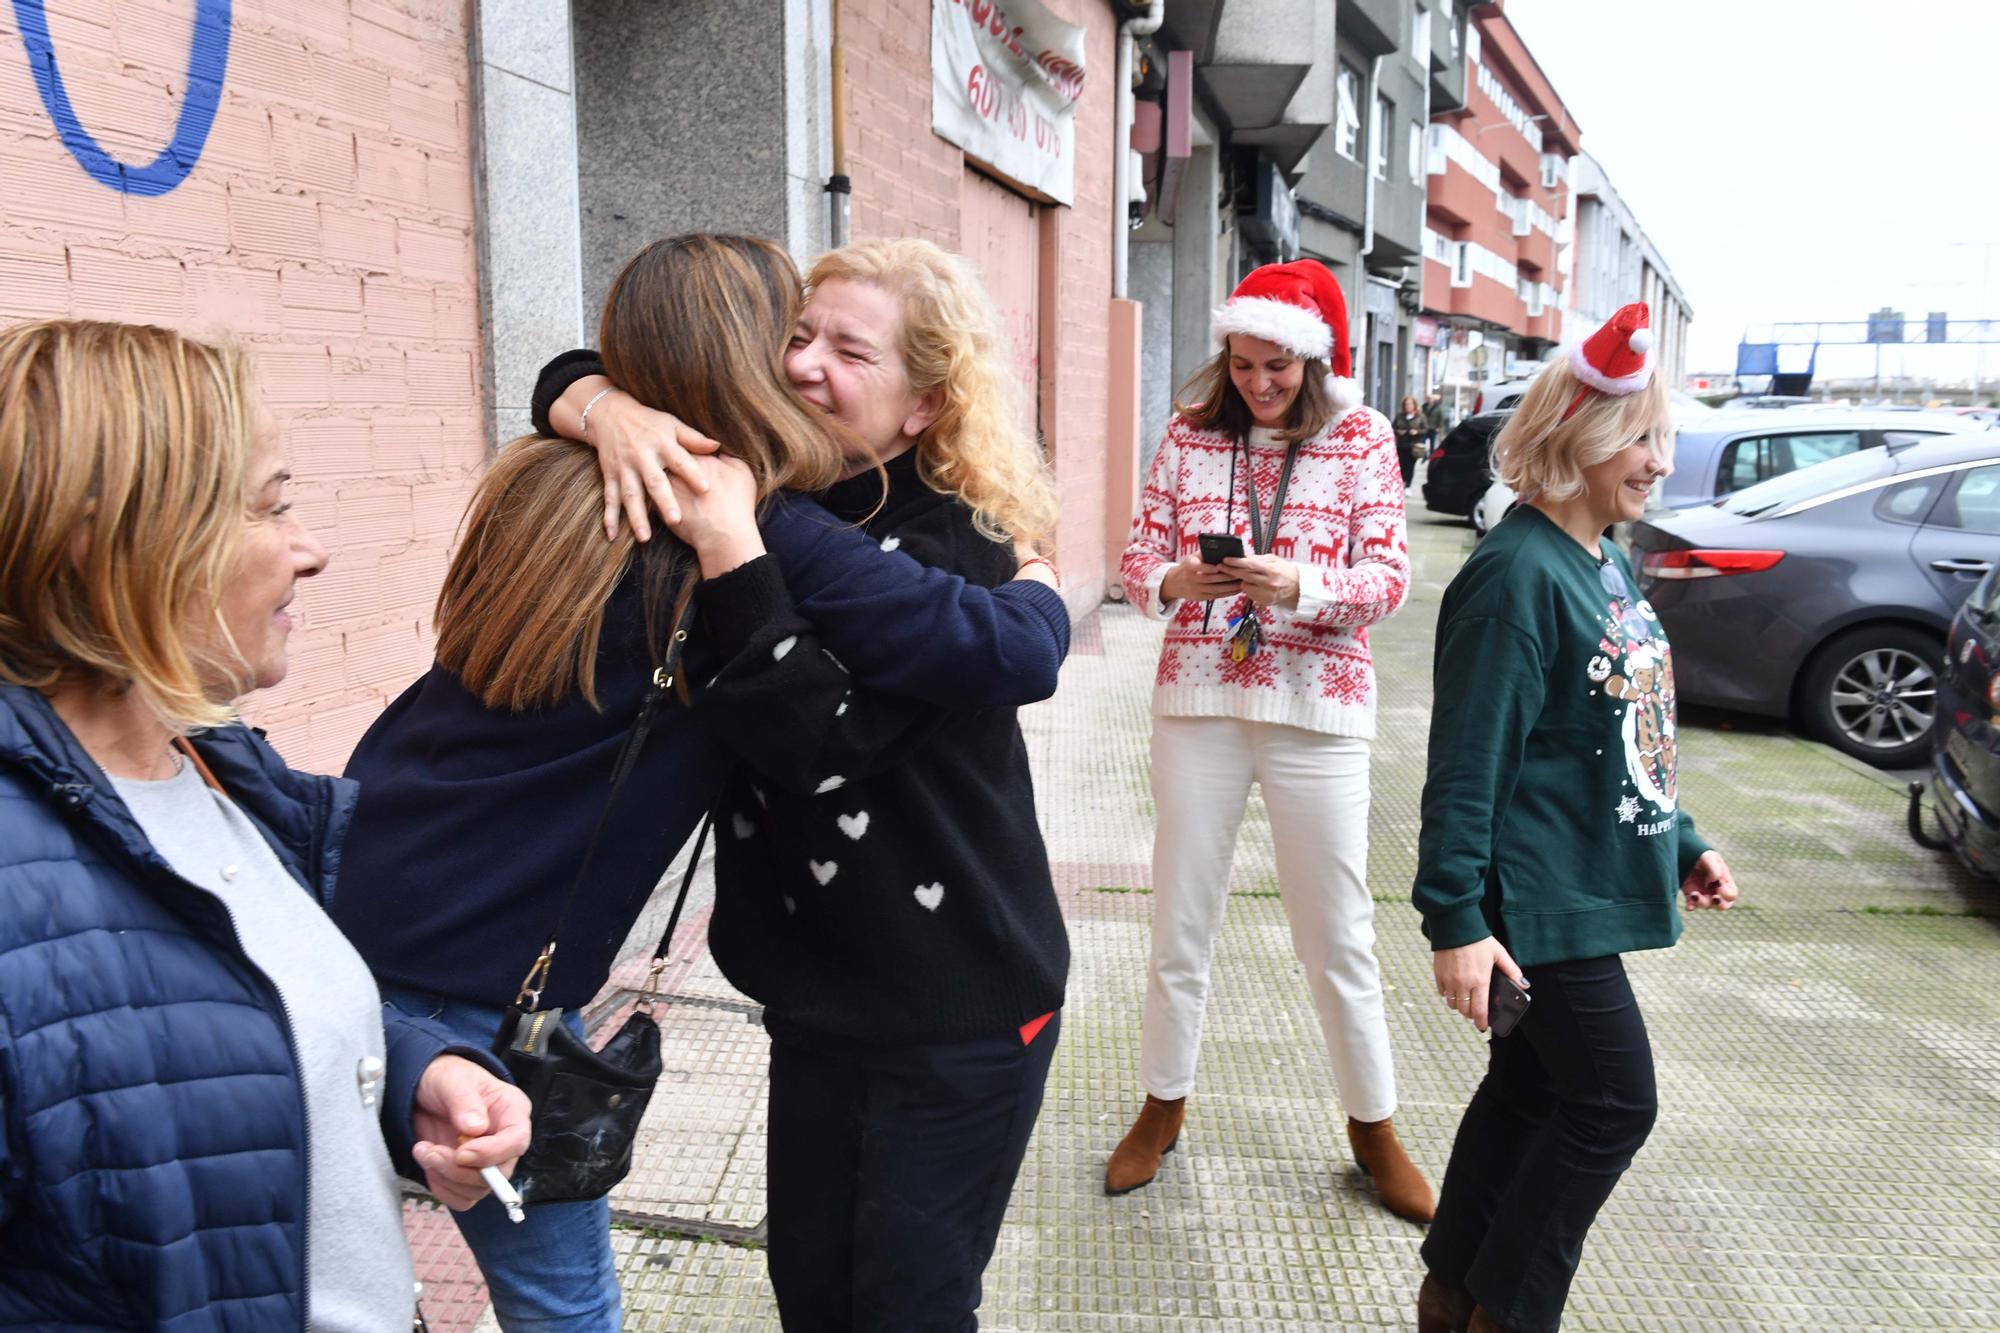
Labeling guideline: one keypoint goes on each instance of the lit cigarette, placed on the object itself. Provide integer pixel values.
(503, 1190)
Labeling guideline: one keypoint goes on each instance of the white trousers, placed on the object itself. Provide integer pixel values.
(1316, 789)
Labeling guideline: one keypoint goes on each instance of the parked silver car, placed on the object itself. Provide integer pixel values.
(1722, 452)
(1824, 595)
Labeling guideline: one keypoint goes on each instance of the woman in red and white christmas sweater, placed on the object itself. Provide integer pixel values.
(1265, 676)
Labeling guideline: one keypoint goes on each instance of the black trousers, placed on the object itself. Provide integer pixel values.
(889, 1173)
(1406, 458)
(1568, 1098)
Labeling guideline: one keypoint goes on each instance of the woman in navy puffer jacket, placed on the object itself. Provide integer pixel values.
(195, 1081)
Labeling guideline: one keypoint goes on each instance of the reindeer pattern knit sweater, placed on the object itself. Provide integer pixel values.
(1342, 524)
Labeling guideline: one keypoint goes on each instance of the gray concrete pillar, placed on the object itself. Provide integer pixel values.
(524, 144)
(702, 115)
(1198, 257)
(1150, 281)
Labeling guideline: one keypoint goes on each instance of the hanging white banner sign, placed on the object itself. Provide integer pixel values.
(1005, 79)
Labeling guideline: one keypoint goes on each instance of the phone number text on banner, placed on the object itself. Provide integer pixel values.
(1005, 79)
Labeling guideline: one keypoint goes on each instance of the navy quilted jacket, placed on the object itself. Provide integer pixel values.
(152, 1126)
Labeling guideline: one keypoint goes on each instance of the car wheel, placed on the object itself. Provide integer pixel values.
(1872, 694)
(1478, 519)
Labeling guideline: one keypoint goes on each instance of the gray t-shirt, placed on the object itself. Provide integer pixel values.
(358, 1274)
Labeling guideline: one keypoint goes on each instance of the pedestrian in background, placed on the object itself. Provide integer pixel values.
(1436, 419)
(1265, 677)
(1553, 837)
(482, 782)
(195, 1081)
(1411, 427)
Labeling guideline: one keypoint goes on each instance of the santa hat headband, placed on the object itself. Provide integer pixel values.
(1617, 359)
(1299, 307)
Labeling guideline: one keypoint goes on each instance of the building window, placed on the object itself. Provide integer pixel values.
(1471, 45)
(1461, 264)
(1420, 36)
(1378, 136)
(1348, 130)
(1416, 153)
(1553, 170)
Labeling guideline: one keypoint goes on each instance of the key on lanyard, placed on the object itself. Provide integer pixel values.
(1246, 634)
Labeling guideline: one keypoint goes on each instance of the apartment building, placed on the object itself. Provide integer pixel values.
(1361, 200)
(1616, 263)
(1495, 268)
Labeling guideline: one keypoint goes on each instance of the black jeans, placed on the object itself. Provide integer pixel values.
(1406, 458)
(890, 1170)
(1567, 1100)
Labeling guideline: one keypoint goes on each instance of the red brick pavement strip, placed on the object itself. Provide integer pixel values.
(1087, 638)
(454, 1293)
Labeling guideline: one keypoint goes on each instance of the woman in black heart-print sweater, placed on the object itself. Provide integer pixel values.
(882, 886)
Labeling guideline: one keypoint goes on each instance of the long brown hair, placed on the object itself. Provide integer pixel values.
(138, 437)
(1209, 401)
(694, 325)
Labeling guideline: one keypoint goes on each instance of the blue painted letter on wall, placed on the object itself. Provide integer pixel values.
(208, 61)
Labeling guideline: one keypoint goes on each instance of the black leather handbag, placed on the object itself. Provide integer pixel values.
(587, 1104)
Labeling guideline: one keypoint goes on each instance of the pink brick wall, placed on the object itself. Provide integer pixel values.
(328, 225)
(906, 182)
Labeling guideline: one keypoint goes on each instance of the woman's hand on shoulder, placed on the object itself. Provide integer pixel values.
(719, 521)
(1193, 580)
(1266, 579)
(1709, 884)
(1463, 975)
(638, 449)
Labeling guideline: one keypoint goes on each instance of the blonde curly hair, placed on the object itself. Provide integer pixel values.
(976, 448)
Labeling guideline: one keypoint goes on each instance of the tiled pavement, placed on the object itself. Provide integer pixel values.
(1827, 1156)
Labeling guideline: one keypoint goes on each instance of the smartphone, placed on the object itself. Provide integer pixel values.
(1505, 1003)
(1219, 546)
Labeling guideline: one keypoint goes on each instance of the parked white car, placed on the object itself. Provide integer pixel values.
(1496, 504)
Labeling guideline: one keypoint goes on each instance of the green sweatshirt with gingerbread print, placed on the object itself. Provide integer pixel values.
(1551, 818)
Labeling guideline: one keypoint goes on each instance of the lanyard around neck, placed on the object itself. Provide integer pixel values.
(1262, 536)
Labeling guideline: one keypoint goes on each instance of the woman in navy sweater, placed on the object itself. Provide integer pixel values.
(481, 783)
(882, 887)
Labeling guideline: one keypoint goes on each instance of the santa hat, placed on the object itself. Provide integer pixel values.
(1617, 359)
(1299, 307)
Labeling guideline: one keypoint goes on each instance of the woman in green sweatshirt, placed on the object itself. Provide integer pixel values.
(1553, 838)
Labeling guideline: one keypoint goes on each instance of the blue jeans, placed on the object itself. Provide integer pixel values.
(552, 1273)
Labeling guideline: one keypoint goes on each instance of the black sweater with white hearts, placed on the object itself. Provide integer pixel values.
(880, 874)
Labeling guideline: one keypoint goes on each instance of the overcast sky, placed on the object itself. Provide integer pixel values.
(1795, 159)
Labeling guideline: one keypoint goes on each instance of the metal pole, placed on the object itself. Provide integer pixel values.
(839, 190)
(1979, 348)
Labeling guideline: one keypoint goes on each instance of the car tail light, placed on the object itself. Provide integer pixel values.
(1699, 564)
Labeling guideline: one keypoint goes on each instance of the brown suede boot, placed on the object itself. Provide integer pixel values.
(1401, 1186)
(1137, 1158)
(1442, 1308)
(1483, 1322)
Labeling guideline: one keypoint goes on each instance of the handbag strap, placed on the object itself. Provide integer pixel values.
(530, 996)
(651, 990)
